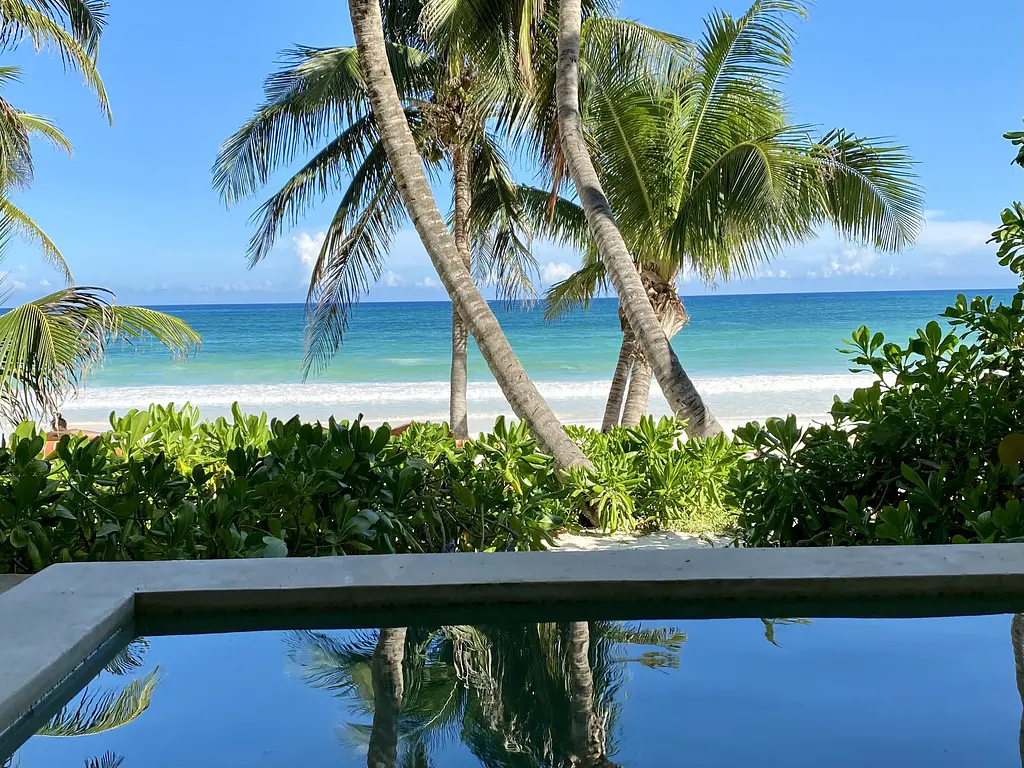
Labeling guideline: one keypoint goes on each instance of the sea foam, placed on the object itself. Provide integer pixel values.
(366, 394)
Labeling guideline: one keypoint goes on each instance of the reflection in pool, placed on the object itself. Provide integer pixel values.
(845, 692)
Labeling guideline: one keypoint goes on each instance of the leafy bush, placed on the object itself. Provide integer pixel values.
(163, 484)
(928, 454)
(645, 477)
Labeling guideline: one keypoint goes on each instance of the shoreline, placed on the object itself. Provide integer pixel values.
(477, 424)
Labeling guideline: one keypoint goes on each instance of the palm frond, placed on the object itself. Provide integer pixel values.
(558, 220)
(43, 22)
(869, 191)
(739, 60)
(49, 345)
(332, 662)
(577, 290)
(106, 760)
(38, 125)
(351, 258)
(502, 231)
(129, 658)
(96, 711)
(319, 92)
(14, 221)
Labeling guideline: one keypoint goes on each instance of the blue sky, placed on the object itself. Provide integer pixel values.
(134, 209)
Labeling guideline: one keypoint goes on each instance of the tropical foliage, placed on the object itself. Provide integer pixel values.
(100, 707)
(48, 345)
(928, 454)
(740, 181)
(708, 178)
(319, 104)
(163, 484)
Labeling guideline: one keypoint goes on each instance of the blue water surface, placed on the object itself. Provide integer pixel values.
(835, 692)
(409, 341)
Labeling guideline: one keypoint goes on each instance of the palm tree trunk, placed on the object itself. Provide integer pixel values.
(388, 690)
(639, 391)
(682, 396)
(620, 379)
(407, 166)
(587, 731)
(1017, 639)
(458, 411)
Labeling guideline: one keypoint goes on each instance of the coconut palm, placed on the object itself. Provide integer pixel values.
(48, 345)
(732, 187)
(651, 338)
(446, 102)
(411, 182)
(706, 176)
(100, 709)
(447, 113)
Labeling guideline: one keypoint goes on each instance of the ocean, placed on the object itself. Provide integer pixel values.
(751, 356)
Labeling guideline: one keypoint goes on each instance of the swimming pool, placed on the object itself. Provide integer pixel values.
(906, 655)
(707, 692)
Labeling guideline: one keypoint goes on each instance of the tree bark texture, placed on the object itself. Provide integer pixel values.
(458, 408)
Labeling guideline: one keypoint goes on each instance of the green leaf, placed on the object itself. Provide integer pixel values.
(275, 547)
(106, 529)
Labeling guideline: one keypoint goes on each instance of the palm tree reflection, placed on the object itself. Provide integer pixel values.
(538, 695)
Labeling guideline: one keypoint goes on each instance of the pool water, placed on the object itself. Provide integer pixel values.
(721, 692)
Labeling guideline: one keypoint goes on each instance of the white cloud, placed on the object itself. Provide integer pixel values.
(391, 280)
(428, 282)
(242, 287)
(851, 261)
(307, 247)
(18, 285)
(44, 283)
(952, 237)
(555, 272)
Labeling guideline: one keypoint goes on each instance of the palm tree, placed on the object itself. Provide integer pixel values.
(47, 346)
(680, 392)
(411, 184)
(706, 175)
(754, 53)
(387, 698)
(447, 103)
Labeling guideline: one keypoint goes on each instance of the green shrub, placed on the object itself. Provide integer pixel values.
(647, 478)
(928, 454)
(163, 484)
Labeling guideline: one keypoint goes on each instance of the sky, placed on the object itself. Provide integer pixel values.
(134, 209)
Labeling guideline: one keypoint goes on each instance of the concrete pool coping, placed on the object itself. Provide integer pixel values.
(52, 622)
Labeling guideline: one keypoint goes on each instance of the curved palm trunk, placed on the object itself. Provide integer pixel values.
(1017, 639)
(407, 166)
(682, 396)
(587, 734)
(639, 391)
(458, 410)
(620, 380)
(672, 317)
(388, 690)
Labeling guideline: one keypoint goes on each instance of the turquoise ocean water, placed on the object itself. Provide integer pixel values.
(751, 356)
